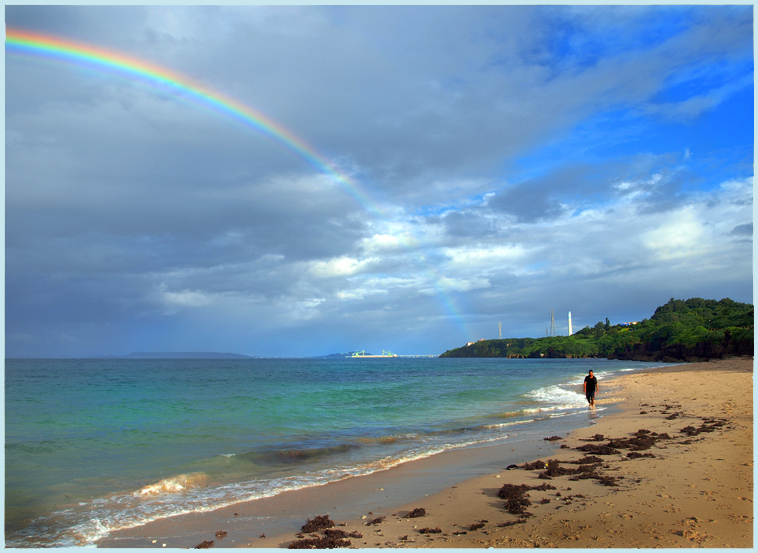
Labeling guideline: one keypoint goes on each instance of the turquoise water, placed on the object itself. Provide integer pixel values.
(95, 445)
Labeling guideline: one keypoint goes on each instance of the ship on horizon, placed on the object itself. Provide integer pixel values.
(362, 355)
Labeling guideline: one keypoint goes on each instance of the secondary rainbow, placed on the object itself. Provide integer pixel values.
(36, 44)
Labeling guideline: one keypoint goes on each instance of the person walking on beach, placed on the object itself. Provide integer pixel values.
(590, 387)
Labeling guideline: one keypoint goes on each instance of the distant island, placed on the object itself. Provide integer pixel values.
(691, 330)
(184, 355)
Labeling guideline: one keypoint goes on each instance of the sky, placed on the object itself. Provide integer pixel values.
(426, 173)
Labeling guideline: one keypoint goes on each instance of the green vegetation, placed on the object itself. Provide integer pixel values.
(678, 331)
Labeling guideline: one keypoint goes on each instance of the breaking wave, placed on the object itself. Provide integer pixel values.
(174, 484)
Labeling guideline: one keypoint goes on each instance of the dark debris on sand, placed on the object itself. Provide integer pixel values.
(539, 464)
(205, 545)
(331, 538)
(582, 472)
(598, 449)
(512, 522)
(336, 533)
(709, 425)
(416, 513)
(554, 469)
(319, 543)
(516, 497)
(476, 526)
(588, 460)
(636, 455)
(320, 522)
(589, 467)
(640, 440)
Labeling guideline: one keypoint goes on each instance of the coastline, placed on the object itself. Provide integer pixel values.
(710, 504)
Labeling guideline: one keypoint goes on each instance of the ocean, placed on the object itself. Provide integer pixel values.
(94, 445)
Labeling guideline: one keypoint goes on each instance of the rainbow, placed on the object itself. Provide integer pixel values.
(29, 43)
(46, 46)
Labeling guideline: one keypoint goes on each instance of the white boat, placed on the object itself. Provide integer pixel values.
(362, 355)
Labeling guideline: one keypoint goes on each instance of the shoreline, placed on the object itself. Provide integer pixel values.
(471, 496)
(283, 514)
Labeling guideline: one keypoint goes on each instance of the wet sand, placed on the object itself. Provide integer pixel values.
(679, 474)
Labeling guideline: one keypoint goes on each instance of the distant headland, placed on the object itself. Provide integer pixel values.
(692, 330)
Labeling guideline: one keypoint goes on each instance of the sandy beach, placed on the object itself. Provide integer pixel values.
(672, 467)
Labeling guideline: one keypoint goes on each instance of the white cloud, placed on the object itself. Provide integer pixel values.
(484, 257)
(381, 242)
(339, 267)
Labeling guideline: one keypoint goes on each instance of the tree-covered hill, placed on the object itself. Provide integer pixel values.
(678, 331)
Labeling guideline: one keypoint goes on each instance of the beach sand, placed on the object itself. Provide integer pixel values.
(681, 476)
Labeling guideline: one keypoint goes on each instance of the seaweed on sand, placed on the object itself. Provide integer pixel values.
(635, 455)
(512, 522)
(593, 474)
(588, 460)
(331, 539)
(554, 469)
(336, 533)
(320, 522)
(581, 472)
(319, 543)
(416, 513)
(709, 425)
(598, 449)
(640, 440)
(515, 498)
